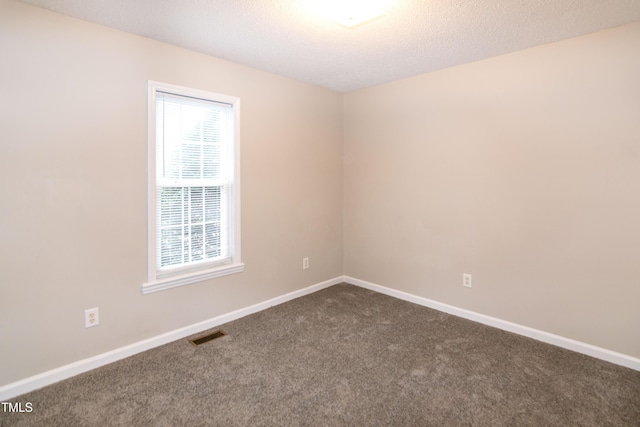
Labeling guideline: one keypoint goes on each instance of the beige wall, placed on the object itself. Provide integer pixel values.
(73, 188)
(523, 170)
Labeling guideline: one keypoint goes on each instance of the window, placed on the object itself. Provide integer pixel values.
(193, 194)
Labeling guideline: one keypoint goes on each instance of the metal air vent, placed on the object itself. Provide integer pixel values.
(206, 338)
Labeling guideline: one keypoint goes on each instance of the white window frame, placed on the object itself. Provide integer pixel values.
(160, 280)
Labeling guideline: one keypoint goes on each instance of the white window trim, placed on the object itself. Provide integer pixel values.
(157, 281)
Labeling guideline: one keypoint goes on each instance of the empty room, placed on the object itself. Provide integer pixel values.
(298, 212)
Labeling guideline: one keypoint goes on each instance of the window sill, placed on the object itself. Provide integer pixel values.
(187, 279)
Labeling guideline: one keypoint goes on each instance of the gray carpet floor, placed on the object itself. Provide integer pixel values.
(345, 356)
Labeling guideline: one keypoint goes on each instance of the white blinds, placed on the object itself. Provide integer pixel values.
(194, 171)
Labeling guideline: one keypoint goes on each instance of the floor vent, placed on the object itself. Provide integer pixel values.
(212, 336)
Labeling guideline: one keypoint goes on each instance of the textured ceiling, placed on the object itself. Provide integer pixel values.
(415, 36)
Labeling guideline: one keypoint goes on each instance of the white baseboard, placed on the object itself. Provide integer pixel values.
(567, 343)
(26, 385)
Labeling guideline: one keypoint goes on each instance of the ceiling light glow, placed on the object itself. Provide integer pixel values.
(351, 12)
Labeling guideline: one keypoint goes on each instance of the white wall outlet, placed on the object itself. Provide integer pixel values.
(466, 280)
(305, 263)
(91, 317)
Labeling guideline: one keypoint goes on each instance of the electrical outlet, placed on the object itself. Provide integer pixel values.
(305, 263)
(91, 317)
(466, 280)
